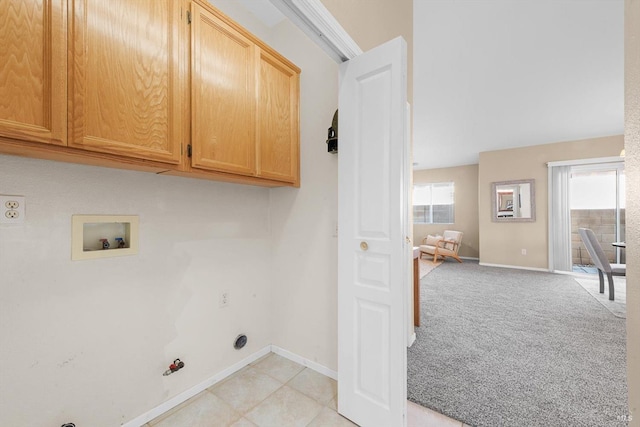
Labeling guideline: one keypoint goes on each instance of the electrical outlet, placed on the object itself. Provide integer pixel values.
(524, 252)
(11, 214)
(12, 209)
(224, 298)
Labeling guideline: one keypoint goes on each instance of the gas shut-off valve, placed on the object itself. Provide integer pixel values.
(174, 367)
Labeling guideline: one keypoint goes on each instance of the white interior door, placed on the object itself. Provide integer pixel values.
(372, 253)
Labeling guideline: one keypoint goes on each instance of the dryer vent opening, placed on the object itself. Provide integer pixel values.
(241, 341)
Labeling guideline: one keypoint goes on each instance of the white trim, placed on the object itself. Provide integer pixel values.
(606, 166)
(313, 18)
(412, 339)
(305, 362)
(550, 251)
(517, 267)
(586, 161)
(188, 394)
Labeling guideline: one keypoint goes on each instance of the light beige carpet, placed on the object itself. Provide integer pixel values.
(427, 265)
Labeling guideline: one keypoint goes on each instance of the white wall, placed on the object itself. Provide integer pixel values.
(87, 341)
(305, 250)
(303, 221)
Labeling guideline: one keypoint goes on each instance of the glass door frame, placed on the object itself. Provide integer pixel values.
(552, 237)
(618, 168)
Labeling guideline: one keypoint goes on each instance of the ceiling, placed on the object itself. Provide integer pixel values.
(496, 74)
(266, 12)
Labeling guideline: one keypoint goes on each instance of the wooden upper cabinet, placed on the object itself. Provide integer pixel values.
(144, 84)
(124, 77)
(244, 102)
(277, 122)
(222, 96)
(33, 70)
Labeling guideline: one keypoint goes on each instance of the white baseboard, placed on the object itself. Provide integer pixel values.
(188, 394)
(470, 258)
(305, 362)
(412, 339)
(517, 267)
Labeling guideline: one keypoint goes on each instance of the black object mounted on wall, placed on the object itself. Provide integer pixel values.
(332, 135)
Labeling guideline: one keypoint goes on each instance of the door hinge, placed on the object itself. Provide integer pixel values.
(189, 150)
(188, 17)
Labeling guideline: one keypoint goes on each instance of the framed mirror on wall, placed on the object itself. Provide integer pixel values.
(513, 201)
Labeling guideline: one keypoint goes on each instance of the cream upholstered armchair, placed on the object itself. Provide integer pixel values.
(442, 246)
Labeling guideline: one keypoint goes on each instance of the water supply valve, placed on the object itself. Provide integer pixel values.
(174, 367)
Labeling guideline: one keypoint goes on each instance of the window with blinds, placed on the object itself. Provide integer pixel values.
(433, 203)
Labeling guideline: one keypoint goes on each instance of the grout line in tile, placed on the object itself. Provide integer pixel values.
(323, 404)
(272, 377)
(175, 409)
(317, 415)
(262, 401)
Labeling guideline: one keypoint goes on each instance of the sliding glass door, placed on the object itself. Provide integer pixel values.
(597, 202)
(590, 196)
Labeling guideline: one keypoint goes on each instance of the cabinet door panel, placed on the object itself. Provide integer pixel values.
(277, 120)
(222, 96)
(33, 91)
(125, 78)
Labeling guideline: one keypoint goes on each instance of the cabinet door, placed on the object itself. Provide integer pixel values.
(33, 70)
(125, 78)
(222, 96)
(278, 134)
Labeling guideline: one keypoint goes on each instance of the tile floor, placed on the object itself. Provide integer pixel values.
(276, 392)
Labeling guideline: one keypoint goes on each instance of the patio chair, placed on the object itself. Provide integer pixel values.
(600, 260)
